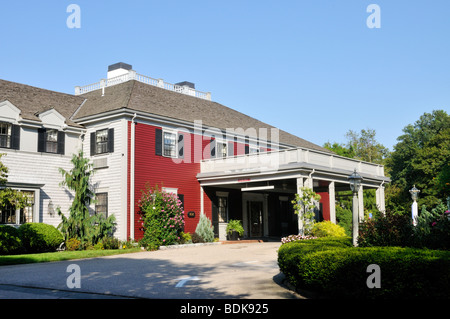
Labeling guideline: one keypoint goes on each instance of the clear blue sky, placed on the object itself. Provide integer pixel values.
(312, 68)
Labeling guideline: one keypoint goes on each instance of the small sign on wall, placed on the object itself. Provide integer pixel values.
(191, 214)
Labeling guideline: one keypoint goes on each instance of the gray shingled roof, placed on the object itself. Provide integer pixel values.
(32, 101)
(138, 96)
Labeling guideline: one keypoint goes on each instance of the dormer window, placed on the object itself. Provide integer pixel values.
(51, 141)
(5, 135)
(9, 135)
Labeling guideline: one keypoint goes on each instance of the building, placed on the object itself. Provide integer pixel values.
(140, 131)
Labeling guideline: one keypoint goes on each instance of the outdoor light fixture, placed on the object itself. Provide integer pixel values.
(414, 210)
(355, 183)
(257, 188)
(51, 210)
(414, 193)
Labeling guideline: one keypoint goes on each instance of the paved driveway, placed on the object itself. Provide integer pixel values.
(212, 271)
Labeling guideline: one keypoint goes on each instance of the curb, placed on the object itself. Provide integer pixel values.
(188, 245)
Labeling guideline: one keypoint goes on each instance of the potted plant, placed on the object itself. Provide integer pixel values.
(234, 229)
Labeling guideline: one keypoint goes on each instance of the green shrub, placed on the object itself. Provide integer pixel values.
(205, 229)
(10, 242)
(235, 225)
(73, 244)
(196, 238)
(344, 219)
(162, 218)
(185, 238)
(39, 237)
(110, 242)
(327, 229)
(335, 269)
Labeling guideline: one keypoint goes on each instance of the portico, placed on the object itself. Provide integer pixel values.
(259, 188)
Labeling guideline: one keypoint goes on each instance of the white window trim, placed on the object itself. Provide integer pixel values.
(176, 142)
(170, 190)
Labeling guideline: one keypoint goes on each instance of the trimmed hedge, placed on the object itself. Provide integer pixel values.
(335, 269)
(10, 242)
(39, 237)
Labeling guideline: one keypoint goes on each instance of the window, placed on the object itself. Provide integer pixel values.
(223, 209)
(170, 145)
(26, 213)
(8, 214)
(101, 207)
(51, 141)
(5, 135)
(224, 149)
(102, 141)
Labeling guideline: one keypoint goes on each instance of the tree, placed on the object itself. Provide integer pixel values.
(80, 224)
(9, 196)
(304, 205)
(421, 158)
(366, 147)
(362, 146)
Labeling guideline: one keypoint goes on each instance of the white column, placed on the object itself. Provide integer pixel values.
(300, 220)
(202, 201)
(332, 199)
(361, 204)
(379, 196)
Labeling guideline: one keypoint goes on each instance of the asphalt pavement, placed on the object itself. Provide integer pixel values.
(224, 271)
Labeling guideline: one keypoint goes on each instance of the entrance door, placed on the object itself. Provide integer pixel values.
(255, 216)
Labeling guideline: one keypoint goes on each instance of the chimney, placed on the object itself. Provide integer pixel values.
(118, 69)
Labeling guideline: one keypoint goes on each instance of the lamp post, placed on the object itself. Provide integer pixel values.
(355, 183)
(414, 211)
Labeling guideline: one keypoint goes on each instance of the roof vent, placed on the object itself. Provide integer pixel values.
(118, 69)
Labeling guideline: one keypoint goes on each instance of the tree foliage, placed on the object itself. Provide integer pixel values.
(80, 224)
(9, 196)
(421, 157)
(362, 146)
(304, 205)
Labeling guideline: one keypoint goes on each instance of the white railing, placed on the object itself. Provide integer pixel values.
(275, 160)
(132, 75)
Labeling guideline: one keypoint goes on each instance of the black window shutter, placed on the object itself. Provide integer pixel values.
(41, 139)
(158, 142)
(180, 145)
(111, 140)
(61, 142)
(181, 198)
(15, 137)
(93, 143)
(212, 147)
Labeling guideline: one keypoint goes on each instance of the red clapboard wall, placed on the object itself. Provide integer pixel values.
(152, 170)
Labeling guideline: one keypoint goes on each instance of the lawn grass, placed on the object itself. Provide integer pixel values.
(61, 255)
